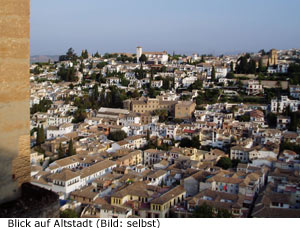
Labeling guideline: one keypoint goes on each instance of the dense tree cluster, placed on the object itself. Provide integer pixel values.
(194, 142)
(70, 55)
(227, 163)
(246, 65)
(198, 84)
(124, 58)
(117, 135)
(294, 73)
(210, 96)
(206, 211)
(101, 65)
(43, 106)
(84, 54)
(67, 74)
(68, 213)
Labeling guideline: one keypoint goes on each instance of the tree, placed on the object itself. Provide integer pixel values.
(252, 67)
(198, 84)
(68, 213)
(43, 106)
(61, 152)
(84, 54)
(262, 52)
(67, 74)
(135, 94)
(203, 211)
(213, 74)
(79, 115)
(223, 213)
(36, 70)
(260, 66)
(231, 67)
(244, 118)
(271, 120)
(97, 55)
(117, 135)
(224, 163)
(194, 142)
(235, 162)
(202, 59)
(71, 150)
(143, 58)
(71, 55)
(42, 134)
(40, 138)
(230, 75)
(101, 65)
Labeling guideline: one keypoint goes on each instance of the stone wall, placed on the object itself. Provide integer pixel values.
(14, 97)
(35, 202)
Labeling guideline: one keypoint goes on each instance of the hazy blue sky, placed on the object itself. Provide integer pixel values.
(183, 26)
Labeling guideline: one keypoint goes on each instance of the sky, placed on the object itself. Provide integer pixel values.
(180, 26)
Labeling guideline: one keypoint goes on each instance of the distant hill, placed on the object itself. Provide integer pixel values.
(43, 58)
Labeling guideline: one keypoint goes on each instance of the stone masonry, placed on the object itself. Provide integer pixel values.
(14, 97)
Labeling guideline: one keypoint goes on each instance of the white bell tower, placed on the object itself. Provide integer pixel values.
(139, 52)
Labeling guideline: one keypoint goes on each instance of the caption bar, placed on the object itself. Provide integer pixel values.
(98, 223)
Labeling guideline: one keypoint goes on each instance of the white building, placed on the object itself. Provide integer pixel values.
(186, 82)
(295, 91)
(156, 57)
(254, 88)
(54, 132)
(278, 106)
(157, 83)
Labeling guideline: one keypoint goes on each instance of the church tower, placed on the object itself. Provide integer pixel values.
(139, 52)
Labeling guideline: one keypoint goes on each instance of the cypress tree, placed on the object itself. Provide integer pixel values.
(61, 153)
(38, 137)
(213, 74)
(42, 134)
(71, 150)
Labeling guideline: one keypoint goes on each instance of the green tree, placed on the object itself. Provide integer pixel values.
(36, 70)
(97, 55)
(198, 84)
(194, 142)
(231, 67)
(71, 55)
(42, 134)
(40, 138)
(84, 54)
(117, 135)
(223, 213)
(213, 74)
(224, 163)
(143, 58)
(203, 211)
(79, 116)
(61, 153)
(230, 75)
(43, 106)
(68, 213)
(271, 119)
(71, 150)
(67, 74)
(244, 118)
(235, 162)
